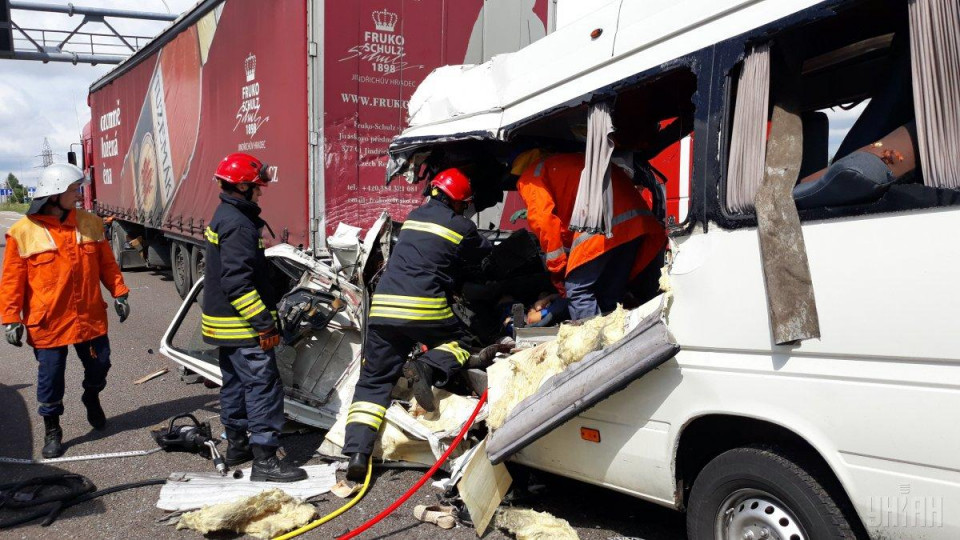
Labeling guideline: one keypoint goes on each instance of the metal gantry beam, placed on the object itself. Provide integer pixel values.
(72, 10)
(53, 51)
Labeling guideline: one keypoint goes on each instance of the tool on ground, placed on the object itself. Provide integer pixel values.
(73, 489)
(194, 438)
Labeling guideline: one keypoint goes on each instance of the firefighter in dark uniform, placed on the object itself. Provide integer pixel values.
(239, 310)
(411, 306)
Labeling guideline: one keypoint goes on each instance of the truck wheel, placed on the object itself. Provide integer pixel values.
(198, 265)
(180, 266)
(117, 238)
(759, 493)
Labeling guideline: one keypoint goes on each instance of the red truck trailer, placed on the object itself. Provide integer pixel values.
(316, 87)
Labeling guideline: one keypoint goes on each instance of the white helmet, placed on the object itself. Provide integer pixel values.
(56, 178)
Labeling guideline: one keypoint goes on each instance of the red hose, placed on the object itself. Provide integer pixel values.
(403, 498)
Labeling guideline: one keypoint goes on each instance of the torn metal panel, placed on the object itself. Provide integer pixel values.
(790, 298)
(482, 487)
(189, 491)
(583, 385)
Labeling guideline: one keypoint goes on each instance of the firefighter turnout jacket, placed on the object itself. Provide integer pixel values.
(52, 271)
(549, 189)
(239, 301)
(435, 250)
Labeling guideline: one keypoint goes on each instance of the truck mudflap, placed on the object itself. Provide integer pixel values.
(583, 385)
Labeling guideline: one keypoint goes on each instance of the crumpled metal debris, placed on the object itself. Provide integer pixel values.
(265, 515)
(414, 435)
(532, 525)
(514, 379)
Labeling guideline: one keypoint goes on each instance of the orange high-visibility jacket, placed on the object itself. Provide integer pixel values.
(51, 278)
(549, 189)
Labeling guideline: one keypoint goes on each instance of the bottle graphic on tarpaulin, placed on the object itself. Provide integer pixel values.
(165, 138)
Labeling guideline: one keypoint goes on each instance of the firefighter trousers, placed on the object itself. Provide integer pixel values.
(251, 398)
(385, 351)
(52, 366)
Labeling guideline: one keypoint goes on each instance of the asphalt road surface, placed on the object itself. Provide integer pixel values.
(134, 409)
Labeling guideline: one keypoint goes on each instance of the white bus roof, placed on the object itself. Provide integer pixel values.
(570, 63)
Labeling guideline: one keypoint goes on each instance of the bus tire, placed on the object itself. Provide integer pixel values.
(743, 491)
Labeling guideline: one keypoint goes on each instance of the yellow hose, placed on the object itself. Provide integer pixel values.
(314, 524)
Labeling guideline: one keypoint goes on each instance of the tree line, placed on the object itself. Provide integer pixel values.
(19, 194)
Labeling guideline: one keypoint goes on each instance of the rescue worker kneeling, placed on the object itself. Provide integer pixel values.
(591, 270)
(411, 305)
(239, 307)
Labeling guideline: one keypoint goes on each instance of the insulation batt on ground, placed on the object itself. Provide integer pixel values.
(532, 525)
(516, 378)
(266, 515)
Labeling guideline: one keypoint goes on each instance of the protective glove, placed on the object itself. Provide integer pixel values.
(14, 333)
(269, 339)
(123, 307)
(519, 214)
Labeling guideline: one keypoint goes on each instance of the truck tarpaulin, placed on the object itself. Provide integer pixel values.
(234, 81)
(380, 53)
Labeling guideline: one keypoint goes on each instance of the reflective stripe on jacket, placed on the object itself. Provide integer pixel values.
(435, 250)
(549, 189)
(52, 272)
(239, 301)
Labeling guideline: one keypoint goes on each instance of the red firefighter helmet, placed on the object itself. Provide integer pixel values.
(454, 184)
(241, 168)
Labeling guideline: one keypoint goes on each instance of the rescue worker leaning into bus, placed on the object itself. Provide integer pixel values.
(55, 260)
(437, 245)
(592, 270)
(239, 316)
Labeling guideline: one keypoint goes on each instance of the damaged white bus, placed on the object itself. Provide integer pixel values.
(793, 373)
(810, 275)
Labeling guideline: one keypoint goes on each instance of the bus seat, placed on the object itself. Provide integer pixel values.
(859, 178)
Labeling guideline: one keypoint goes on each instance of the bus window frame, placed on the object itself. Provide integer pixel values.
(728, 58)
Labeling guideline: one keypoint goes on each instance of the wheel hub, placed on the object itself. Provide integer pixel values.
(756, 515)
(181, 264)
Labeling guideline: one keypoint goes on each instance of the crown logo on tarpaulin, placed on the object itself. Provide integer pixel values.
(385, 20)
(250, 66)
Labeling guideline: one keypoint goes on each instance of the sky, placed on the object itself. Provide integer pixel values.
(40, 100)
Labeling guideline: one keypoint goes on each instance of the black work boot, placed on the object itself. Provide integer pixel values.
(238, 448)
(95, 415)
(357, 467)
(268, 468)
(420, 379)
(52, 438)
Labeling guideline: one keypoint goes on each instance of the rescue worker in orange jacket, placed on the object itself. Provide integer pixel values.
(55, 260)
(592, 270)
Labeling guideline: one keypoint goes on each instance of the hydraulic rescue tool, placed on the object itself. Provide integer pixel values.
(196, 438)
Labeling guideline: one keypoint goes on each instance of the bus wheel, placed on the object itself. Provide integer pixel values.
(180, 267)
(758, 493)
